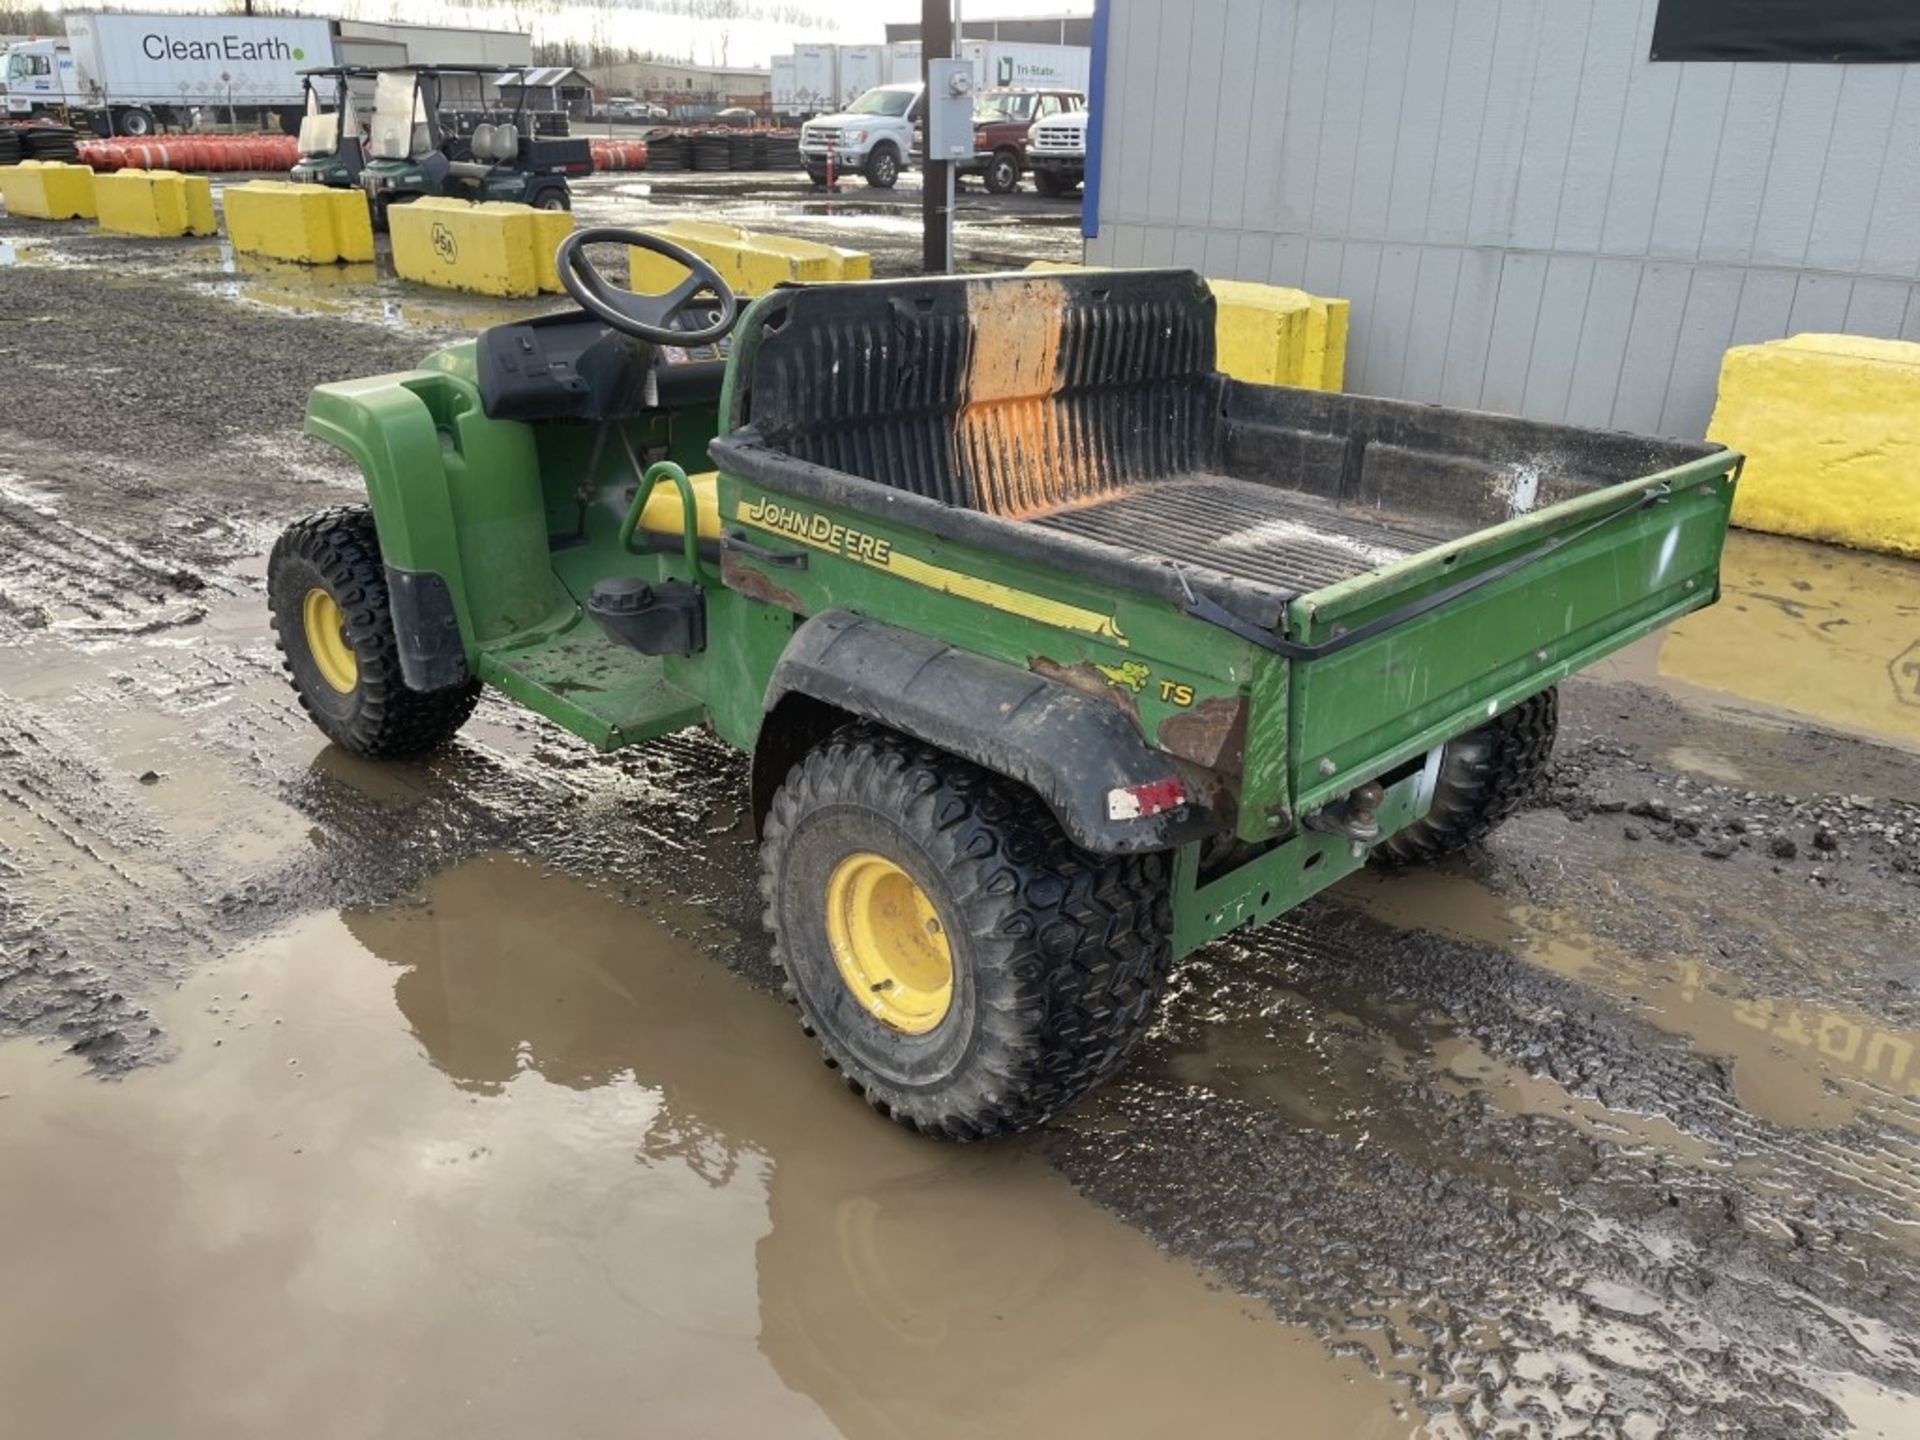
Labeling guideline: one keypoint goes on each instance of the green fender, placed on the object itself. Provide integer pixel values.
(455, 495)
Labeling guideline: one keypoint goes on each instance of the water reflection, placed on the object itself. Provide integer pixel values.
(907, 1287)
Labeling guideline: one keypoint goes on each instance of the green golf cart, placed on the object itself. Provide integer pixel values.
(333, 145)
(443, 130)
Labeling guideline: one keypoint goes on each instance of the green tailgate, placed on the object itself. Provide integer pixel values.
(1515, 609)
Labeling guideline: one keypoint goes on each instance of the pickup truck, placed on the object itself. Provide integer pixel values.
(874, 136)
(1057, 152)
(1058, 654)
(1002, 120)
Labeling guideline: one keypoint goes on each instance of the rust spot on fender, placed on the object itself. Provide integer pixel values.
(1213, 733)
(756, 585)
(1086, 678)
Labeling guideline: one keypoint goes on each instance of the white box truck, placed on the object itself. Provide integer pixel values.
(903, 62)
(125, 72)
(816, 78)
(780, 86)
(1003, 65)
(861, 68)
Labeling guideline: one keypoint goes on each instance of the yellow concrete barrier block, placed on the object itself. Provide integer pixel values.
(1830, 426)
(156, 203)
(308, 224)
(47, 190)
(201, 219)
(751, 262)
(486, 249)
(68, 189)
(550, 227)
(1262, 332)
(811, 260)
(1327, 344)
(16, 189)
(652, 274)
(1272, 334)
(352, 226)
(1277, 335)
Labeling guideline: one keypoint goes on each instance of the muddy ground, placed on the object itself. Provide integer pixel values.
(451, 1095)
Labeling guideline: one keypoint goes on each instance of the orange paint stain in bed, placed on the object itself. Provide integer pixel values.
(1011, 442)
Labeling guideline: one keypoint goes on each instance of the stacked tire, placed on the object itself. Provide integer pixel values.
(10, 151)
(782, 150)
(670, 152)
(48, 142)
(710, 151)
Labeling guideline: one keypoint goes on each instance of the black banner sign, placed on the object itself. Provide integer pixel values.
(1830, 31)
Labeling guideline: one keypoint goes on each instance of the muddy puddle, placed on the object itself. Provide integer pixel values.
(369, 294)
(1536, 1219)
(1821, 1093)
(1801, 631)
(514, 1157)
(1794, 1062)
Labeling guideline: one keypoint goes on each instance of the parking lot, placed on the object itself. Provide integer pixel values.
(384, 1093)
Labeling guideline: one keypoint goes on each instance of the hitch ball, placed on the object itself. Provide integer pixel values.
(1356, 815)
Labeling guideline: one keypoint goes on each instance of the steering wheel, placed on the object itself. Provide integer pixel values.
(646, 317)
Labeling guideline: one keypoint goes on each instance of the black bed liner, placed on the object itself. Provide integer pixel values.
(1289, 540)
(1151, 471)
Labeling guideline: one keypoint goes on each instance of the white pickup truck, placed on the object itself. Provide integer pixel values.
(1057, 152)
(876, 136)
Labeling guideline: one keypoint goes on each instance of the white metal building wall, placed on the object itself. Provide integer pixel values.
(1526, 213)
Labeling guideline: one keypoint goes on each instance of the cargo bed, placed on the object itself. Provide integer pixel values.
(1257, 533)
(1061, 449)
(1126, 458)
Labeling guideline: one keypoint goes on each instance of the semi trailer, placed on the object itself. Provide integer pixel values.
(821, 79)
(130, 74)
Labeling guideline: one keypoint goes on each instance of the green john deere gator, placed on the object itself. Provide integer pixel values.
(1057, 653)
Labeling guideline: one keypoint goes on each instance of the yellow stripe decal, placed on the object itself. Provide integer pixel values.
(820, 533)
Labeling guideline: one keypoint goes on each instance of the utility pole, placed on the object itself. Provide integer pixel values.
(936, 43)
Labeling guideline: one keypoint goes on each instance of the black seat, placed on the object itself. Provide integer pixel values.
(570, 366)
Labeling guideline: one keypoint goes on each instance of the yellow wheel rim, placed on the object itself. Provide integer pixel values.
(889, 943)
(326, 628)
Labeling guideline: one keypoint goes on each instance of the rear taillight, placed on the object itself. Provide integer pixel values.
(1137, 802)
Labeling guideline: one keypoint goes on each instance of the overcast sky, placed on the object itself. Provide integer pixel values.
(761, 27)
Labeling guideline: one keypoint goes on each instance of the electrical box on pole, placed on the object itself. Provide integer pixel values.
(949, 110)
(936, 44)
(949, 130)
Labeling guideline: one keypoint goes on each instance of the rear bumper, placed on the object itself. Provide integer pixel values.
(1293, 871)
